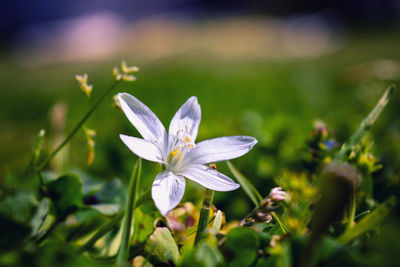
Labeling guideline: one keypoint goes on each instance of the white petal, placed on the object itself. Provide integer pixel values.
(167, 191)
(144, 120)
(142, 148)
(188, 116)
(209, 178)
(218, 149)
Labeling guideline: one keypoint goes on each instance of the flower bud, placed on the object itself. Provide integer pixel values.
(85, 88)
(277, 194)
(126, 69)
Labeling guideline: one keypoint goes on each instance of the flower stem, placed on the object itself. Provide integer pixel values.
(351, 210)
(204, 214)
(75, 130)
(130, 205)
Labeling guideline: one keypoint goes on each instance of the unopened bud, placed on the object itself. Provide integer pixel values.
(85, 88)
(128, 78)
(126, 69)
(115, 72)
(116, 103)
(277, 194)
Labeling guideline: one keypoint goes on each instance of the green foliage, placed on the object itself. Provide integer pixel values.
(66, 194)
(241, 247)
(162, 246)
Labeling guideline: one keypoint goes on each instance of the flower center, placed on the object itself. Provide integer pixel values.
(183, 142)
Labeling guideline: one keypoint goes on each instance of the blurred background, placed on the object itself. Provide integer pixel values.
(270, 69)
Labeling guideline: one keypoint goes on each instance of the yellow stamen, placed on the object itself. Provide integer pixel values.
(173, 153)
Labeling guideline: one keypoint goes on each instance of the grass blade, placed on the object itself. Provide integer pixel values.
(133, 189)
(365, 124)
(247, 186)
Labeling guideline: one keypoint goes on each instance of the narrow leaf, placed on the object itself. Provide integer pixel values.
(247, 186)
(281, 224)
(133, 189)
(365, 124)
(375, 218)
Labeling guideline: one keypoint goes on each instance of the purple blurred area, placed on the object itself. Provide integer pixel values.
(46, 31)
(16, 15)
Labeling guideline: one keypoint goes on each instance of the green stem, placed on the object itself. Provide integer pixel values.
(352, 210)
(35, 152)
(75, 130)
(204, 214)
(130, 205)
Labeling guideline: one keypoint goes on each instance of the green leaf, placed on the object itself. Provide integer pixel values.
(369, 222)
(65, 193)
(161, 245)
(247, 186)
(40, 215)
(18, 206)
(143, 226)
(208, 254)
(242, 245)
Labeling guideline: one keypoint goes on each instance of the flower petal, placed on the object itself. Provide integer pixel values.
(167, 191)
(209, 178)
(144, 120)
(142, 148)
(218, 149)
(188, 116)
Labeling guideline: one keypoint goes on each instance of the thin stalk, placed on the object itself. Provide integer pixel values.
(352, 210)
(36, 151)
(130, 205)
(204, 214)
(75, 130)
(281, 224)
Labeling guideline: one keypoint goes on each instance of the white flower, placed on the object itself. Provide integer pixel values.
(177, 151)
